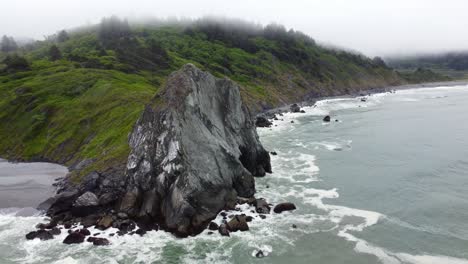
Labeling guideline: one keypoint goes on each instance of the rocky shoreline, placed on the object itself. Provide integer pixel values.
(165, 185)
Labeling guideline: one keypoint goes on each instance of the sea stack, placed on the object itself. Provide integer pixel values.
(194, 150)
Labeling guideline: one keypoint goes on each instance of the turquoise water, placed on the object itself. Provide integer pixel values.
(387, 183)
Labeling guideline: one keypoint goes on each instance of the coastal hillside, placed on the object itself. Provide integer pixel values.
(74, 97)
(453, 64)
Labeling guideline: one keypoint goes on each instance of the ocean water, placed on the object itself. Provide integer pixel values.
(386, 183)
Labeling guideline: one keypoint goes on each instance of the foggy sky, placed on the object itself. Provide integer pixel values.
(374, 27)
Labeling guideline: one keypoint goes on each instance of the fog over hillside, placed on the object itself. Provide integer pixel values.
(372, 27)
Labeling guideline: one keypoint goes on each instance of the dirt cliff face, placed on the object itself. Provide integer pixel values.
(193, 154)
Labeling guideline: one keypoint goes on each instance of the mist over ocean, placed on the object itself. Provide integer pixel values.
(385, 183)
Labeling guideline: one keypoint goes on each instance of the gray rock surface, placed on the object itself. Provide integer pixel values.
(193, 151)
(86, 199)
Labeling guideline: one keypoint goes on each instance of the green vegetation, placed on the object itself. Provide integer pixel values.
(454, 64)
(77, 94)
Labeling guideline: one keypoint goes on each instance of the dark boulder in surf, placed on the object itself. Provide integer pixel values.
(327, 118)
(279, 208)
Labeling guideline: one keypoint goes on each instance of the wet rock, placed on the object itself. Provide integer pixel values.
(261, 121)
(105, 222)
(279, 208)
(295, 108)
(238, 223)
(273, 153)
(49, 225)
(90, 220)
(74, 238)
(59, 203)
(292, 121)
(122, 215)
(140, 232)
(223, 230)
(302, 111)
(242, 200)
(98, 241)
(55, 231)
(96, 234)
(86, 199)
(363, 99)
(213, 226)
(294, 226)
(84, 232)
(261, 206)
(259, 254)
(248, 218)
(170, 173)
(262, 216)
(327, 118)
(41, 234)
(107, 198)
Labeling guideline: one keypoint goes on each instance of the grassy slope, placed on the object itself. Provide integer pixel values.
(83, 107)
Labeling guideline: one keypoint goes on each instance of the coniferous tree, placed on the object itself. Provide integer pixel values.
(8, 44)
(54, 53)
(62, 36)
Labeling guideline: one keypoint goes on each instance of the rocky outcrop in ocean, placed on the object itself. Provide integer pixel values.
(194, 152)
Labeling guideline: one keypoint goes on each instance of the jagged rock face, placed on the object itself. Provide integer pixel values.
(193, 151)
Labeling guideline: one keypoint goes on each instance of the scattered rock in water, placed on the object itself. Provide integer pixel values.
(295, 108)
(327, 118)
(273, 153)
(248, 218)
(259, 254)
(262, 216)
(262, 122)
(223, 230)
(84, 232)
(261, 206)
(242, 200)
(302, 111)
(49, 225)
(140, 232)
(292, 121)
(363, 99)
(238, 223)
(336, 120)
(294, 226)
(55, 231)
(279, 208)
(41, 234)
(98, 241)
(96, 234)
(105, 222)
(213, 226)
(74, 238)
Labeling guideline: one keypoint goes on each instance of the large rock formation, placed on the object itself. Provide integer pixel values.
(193, 151)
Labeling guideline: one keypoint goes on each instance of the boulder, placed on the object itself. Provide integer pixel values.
(327, 118)
(279, 208)
(213, 226)
(273, 153)
(105, 222)
(74, 238)
(262, 122)
(259, 254)
(295, 108)
(98, 241)
(193, 151)
(238, 223)
(261, 206)
(55, 231)
(41, 234)
(87, 199)
(223, 230)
